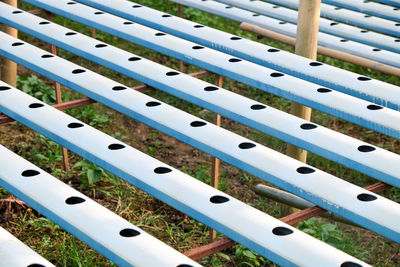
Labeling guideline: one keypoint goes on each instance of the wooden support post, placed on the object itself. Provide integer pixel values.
(57, 88)
(94, 33)
(306, 46)
(8, 72)
(215, 161)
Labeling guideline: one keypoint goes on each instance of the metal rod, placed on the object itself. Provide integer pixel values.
(360, 61)
(37, 11)
(57, 88)
(294, 201)
(180, 14)
(215, 161)
(225, 243)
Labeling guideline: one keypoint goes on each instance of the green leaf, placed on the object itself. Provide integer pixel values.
(90, 176)
(329, 227)
(81, 164)
(224, 256)
(249, 254)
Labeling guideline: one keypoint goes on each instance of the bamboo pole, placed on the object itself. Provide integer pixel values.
(8, 72)
(360, 61)
(306, 46)
(215, 161)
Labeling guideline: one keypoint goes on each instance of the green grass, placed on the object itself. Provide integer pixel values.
(160, 220)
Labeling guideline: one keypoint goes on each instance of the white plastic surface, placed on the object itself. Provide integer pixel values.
(227, 215)
(14, 253)
(111, 235)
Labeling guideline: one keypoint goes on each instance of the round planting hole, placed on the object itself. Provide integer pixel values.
(136, 6)
(315, 64)
(366, 197)
(166, 16)
(153, 104)
(374, 107)
(172, 73)
(128, 232)
(376, 50)
(282, 231)
(218, 199)
(257, 107)
(397, 40)
(305, 170)
(35, 265)
(4, 88)
(17, 12)
(134, 59)
(197, 47)
(77, 71)
(101, 45)
(362, 78)
(324, 90)
(246, 145)
(308, 126)
(162, 170)
(344, 40)
(119, 88)
(235, 38)
(47, 56)
(75, 125)
(184, 265)
(276, 74)
(228, 7)
(365, 148)
(44, 23)
(17, 44)
(128, 23)
(211, 88)
(256, 15)
(116, 146)
(160, 34)
(198, 26)
(74, 200)
(350, 264)
(36, 105)
(98, 13)
(233, 60)
(70, 33)
(30, 173)
(197, 123)
(71, 3)
(364, 31)
(282, 22)
(273, 50)
(334, 23)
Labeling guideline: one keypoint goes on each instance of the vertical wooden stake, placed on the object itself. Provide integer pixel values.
(306, 46)
(9, 68)
(215, 161)
(57, 88)
(94, 33)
